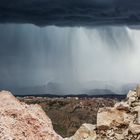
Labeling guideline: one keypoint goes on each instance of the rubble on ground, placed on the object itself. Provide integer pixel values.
(121, 122)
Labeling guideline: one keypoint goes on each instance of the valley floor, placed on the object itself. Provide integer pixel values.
(68, 114)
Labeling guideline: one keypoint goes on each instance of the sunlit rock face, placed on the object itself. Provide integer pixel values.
(21, 121)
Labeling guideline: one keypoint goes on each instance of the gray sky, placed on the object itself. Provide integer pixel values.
(30, 55)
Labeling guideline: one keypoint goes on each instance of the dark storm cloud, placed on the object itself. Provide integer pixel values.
(70, 12)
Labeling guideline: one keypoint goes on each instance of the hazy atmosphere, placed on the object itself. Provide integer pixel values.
(31, 55)
(76, 44)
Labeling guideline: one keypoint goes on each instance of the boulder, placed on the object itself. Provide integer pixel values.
(85, 132)
(128, 118)
(121, 122)
(108, 117)
(19, 121)
(136, 110)
(131, 94)
(134, 128)
(119, 136)
(29, 122)
(122, 106)
(132, 97)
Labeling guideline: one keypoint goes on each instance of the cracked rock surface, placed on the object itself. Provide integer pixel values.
(19, 121)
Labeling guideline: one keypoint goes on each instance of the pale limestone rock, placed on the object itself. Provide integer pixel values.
(122, 106)
(119, 136)
(128, 118)
(138, 90)
(136, 103)
(110, 133)
(131, 94)
(136, 110)
(85, 132)
(138, 119)
(134, 128)
(125, 133)
(131, 101)
(116, 123)
(19, 121)
(31, 123)
(107, 117)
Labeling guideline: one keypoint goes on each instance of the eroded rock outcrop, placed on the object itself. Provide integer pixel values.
(68, 114)
(19, 121)
(85, 132)
(121, 122)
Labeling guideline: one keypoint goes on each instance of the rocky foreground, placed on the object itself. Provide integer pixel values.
(121, 122)
(19, 121)
(68, 114)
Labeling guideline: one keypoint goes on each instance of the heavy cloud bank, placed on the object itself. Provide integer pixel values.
(78, 52)
(70, 12)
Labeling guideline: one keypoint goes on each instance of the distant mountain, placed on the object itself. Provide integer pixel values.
(89, 88)
(125, 88)
(114, 86)
(110, 85)
(50, 88)
(99, 92)
(54, 88)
